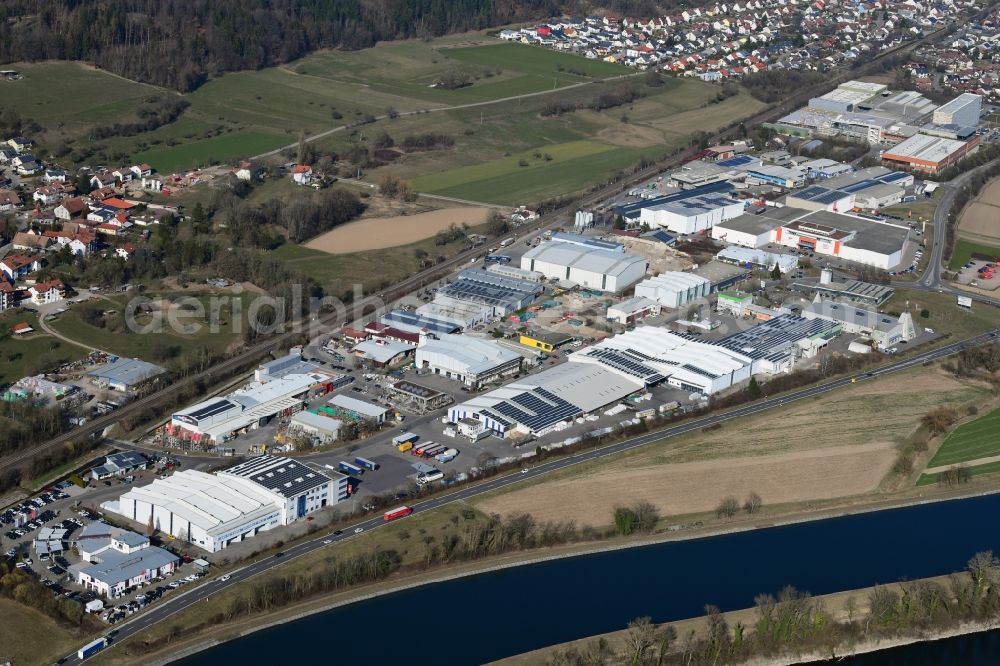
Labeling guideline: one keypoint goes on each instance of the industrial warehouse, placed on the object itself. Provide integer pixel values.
(586, 265)
(470, 360)
(212, 511)
(474, 297)
(280, 388)
(861, 240)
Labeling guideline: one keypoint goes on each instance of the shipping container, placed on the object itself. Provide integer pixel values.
(405, 446)
(367, 464)
(398, 512)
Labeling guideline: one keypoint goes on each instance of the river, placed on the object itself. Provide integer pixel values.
(489, 616)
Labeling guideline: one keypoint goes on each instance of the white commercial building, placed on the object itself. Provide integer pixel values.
(472, 361)
(632, 310)
(212, 511)
(594, 268)
(964, 111)
(674, 288)
(691, 215)
(116, 560)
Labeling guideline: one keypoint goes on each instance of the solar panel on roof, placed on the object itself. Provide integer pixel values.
(212, 410)
(861, 185)
(893, 177)
(736, 161)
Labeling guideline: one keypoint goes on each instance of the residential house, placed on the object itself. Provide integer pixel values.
(49, 194)
(44, 293)
(28, 168)
(70, 208)
(24, 240)
(302, 174)
(123, 175)
(16, 266)
(141, 171)
(9, 201)
(102, 180)
(20, 143)
(126, 251)
(102, 215)
(6, 295)
(54, 176)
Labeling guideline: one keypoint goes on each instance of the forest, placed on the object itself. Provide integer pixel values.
(181, 43)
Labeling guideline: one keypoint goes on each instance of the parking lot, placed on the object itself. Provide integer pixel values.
(981, 274)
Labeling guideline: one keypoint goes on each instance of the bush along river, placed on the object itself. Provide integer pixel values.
(488, 616)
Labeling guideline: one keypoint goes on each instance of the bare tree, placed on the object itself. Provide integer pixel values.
(639, 638)
(753, 503)
(727, 508)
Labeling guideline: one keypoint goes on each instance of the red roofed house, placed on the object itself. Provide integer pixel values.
(25, 241)
(21, 328)
(353, 335)
(126, 251)
(302, 174)
(118, 203)
(9, 200)
(16, 266)
(142, 170)
(47, 292)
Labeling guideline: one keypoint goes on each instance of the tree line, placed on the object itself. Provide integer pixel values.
(153, 112)
(181, 43)
(28, 591)
(793, 623)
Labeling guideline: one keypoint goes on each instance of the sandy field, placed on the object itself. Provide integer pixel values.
(631, 136)
(816, 450)
(375, 233)
(699, 486)
(982, 217)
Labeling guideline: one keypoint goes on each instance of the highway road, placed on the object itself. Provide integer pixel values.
(181, 599)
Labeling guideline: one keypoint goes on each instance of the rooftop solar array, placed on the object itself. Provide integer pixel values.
(536, 409)
(634, 208)
(861, 185)
(738, 161)
(628, 361)
(284, 476)
(774, 335)
(213, 409)
(491, 289)
(893, 177)
(408, 318)
(820, 195)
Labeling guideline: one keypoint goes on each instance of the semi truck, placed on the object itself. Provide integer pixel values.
(348, 468)
(497, 259)
(367, 464)
(405, 437)
(447, 456)
(92, 648)
(398, 512)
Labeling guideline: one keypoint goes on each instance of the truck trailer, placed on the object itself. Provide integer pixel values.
(405, 437)
(92, 648)
(434, 450)
(419, 450)
(348, 468)
(398, 512)
(367, 464)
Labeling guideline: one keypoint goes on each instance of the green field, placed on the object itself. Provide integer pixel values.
(945, 317)
(974, 470)
(32, 354)
(371, 270)
(29, 637)
(970, 441)
(124, 342)
(224, 148)
(964, 249)
(411, 68)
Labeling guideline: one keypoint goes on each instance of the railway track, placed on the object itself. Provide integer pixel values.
(226, 368)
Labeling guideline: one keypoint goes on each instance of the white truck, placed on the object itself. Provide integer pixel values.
(405, 437)
(429, 477)
(446, 456)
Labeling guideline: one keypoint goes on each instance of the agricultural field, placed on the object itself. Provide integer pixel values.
(376, 233)
(33, 353)
(29, 637)
(980, 220)
(970, 441)
(819, 448)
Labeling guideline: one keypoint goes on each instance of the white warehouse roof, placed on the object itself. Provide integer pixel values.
(464, 353)
(674, 281)
(582, 257)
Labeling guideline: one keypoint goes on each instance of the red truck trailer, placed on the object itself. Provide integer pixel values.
(398, 512)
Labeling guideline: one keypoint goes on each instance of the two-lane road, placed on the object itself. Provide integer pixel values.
(175, 602)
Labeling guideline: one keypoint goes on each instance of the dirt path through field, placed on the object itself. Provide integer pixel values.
(695, 487)
(380, 232)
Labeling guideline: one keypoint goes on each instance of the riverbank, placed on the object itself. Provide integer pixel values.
(214, 635)
(843, 607)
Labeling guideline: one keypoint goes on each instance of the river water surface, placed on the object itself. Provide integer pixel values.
(485, 617)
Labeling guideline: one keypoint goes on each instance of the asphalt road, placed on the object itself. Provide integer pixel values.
(184, 598)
